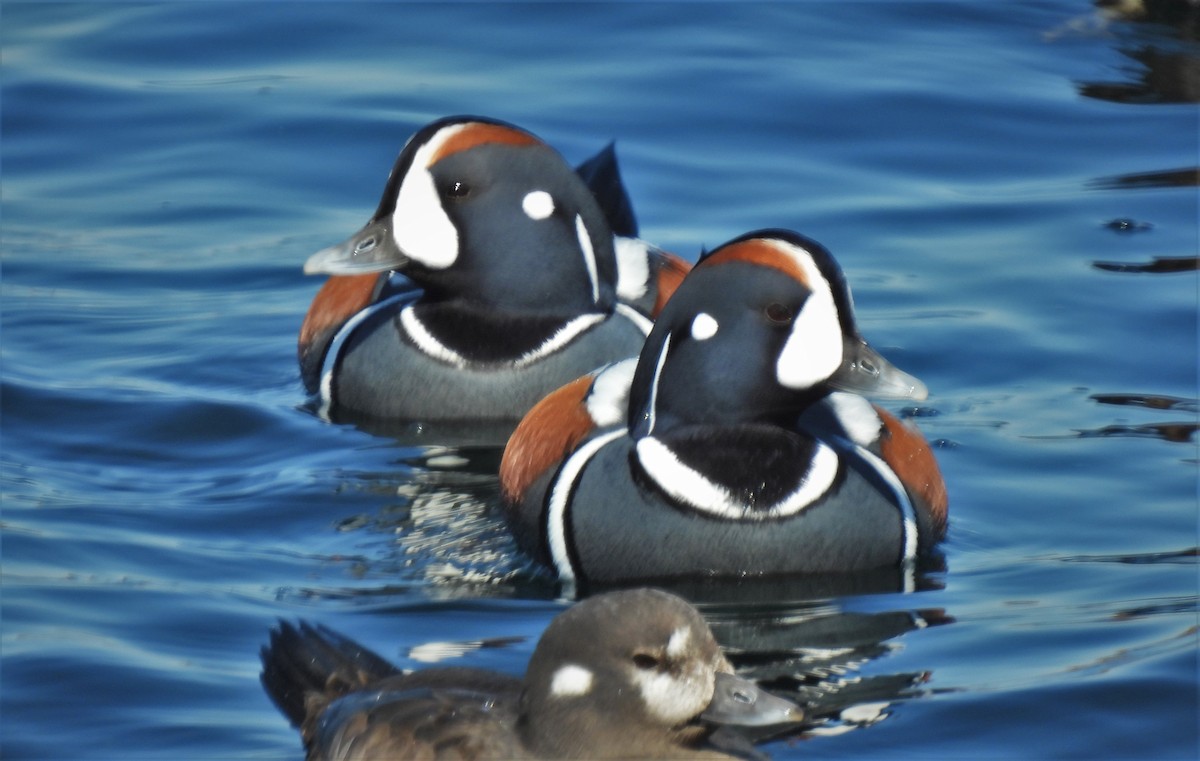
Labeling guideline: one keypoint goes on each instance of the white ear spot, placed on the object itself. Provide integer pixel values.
(538, 204)
(704, 327)
(678, 643)
(571, 680)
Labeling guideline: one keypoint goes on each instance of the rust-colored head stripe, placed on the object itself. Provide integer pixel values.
(760, 251)
(478, 133)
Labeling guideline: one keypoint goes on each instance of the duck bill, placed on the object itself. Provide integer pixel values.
(865, 371)
(743, 703)
(371, 249)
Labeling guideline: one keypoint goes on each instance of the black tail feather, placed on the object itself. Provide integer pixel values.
(308, 659)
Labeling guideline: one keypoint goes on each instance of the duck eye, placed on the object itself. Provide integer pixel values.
(645, 661)
(779, 314)
(458, 189)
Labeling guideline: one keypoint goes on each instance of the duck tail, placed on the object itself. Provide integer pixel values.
(306, 666)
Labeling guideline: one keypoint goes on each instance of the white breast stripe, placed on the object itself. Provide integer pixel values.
(561, 338)
(690, 487)
(425, 340)
(589, 256)
(857, 416)
(333, 353)
(639, 320)
(608, 402)
(560, 495)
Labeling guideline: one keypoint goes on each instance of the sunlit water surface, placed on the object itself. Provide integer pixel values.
(1010, 187)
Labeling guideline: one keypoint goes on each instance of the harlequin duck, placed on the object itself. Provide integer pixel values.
(489, 275)
(737, 444)
(631, 674)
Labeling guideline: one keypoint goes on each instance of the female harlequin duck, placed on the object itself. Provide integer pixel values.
(632, 674)
(488, 277)
(731, 447)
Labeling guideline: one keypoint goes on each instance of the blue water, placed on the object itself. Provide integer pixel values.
(992, 177)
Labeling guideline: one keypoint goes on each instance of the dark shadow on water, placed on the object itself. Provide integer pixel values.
(1158, 265)
(1189, 556)
(1149, 401)
(1184, 177)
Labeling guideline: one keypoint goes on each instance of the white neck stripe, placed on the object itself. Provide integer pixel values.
(658, 367)
(639, 320)
(589, 256)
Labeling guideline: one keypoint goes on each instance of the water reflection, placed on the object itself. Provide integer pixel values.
(1179, 432)
(1164, 67)
(815, 654)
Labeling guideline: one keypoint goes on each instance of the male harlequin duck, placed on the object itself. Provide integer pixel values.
(732, 446)
(632, 674)
(489, 276)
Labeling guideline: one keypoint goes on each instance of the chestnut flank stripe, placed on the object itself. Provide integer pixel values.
(548, 432)
(909, 455)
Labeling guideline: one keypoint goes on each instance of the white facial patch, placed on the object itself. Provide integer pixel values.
(589, 256)
(704, 327)
(814, 347)
(571, 681)
(675, 697)
(420, 226)
(538, 204)
(677, 645)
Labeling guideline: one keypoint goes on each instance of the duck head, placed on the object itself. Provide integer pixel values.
(761, 328)
(483, 212)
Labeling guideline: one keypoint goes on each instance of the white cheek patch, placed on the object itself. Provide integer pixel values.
(704, 327)
(677, 645)
(675, 698)
(814, 347)
(571, 681)
(419, 224)
(537, 204)
(589, 256)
